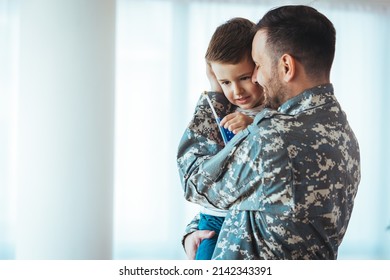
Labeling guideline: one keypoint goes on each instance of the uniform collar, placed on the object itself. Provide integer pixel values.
(309, 98)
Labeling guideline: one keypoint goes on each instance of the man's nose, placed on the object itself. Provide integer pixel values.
(254, 77)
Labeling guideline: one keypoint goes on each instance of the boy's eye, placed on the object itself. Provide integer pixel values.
(245, 78)
(225, 83)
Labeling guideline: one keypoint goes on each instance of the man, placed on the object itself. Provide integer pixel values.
(290, 179)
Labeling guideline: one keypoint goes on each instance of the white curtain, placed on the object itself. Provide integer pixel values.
(160, 72)
(8, 119)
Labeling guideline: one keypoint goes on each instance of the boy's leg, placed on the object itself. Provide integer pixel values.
(206, 247)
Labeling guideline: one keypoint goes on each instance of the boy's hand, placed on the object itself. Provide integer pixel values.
(236, 122)
(215, 86)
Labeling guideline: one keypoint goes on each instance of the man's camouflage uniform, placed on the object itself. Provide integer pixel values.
(288, 180)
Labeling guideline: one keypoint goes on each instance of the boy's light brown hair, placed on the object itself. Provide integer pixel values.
(231, 42)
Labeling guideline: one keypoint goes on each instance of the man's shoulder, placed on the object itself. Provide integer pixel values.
(276, 121)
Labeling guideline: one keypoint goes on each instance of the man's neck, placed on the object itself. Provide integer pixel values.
(299, 86)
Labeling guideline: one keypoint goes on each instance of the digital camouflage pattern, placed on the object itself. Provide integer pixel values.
(288, 180)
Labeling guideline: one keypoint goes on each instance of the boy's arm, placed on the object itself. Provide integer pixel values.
(202, 138)
(203, 128)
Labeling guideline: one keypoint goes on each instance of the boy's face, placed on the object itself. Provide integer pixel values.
(236, 83)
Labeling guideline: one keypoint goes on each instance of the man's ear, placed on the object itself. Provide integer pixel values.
(288, 67)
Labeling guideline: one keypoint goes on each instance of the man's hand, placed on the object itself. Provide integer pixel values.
(215, 86)
(192, 241)
(236, 122)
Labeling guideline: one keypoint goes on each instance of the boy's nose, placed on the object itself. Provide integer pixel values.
(238, 90)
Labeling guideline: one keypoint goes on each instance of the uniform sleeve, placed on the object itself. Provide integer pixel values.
(201, 141)
(191, 227)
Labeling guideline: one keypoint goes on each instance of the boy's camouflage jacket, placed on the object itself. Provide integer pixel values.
(288, 180)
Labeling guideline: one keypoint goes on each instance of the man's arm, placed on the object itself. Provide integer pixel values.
(212, 175)
(192, 241)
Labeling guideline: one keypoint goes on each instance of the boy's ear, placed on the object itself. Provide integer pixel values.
(288, 67)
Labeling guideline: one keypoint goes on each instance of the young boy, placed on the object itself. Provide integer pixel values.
(229, 70)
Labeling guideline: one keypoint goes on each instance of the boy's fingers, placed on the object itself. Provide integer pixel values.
(227, 118)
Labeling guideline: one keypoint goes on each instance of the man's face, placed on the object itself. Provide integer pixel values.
(266, 72)
(237, 85)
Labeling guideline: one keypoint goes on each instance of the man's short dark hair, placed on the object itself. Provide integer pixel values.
(304, 33)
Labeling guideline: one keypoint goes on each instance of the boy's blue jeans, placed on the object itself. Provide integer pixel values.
(206, 247)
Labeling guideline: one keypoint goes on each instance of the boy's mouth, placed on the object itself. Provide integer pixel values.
(242, 100)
